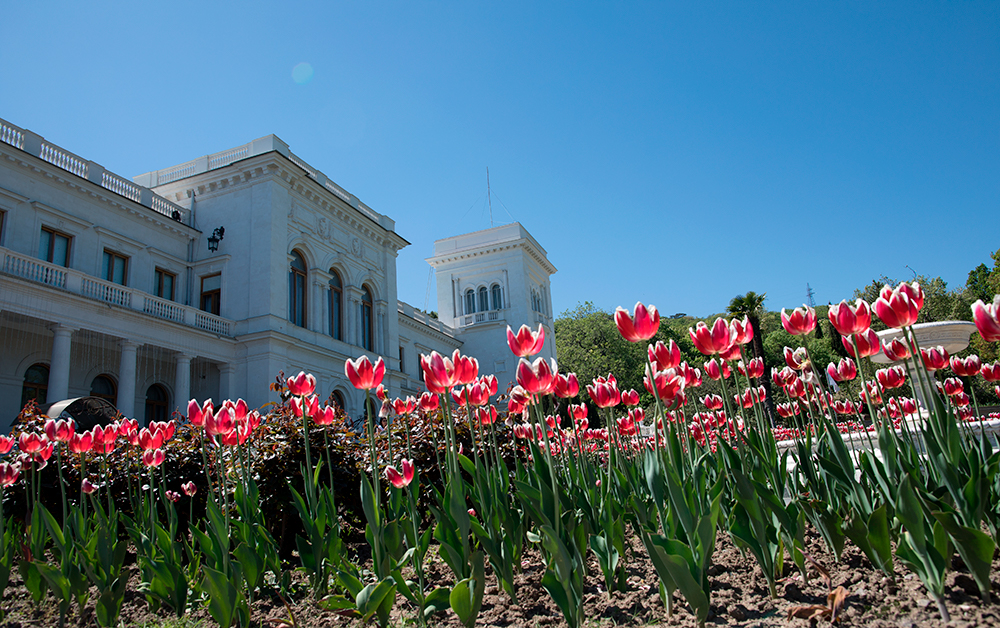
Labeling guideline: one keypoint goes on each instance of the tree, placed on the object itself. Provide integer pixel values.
(751, 305)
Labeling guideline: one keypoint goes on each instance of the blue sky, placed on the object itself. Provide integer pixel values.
(668, 152)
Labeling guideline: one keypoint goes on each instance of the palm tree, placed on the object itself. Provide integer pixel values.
(751, 305)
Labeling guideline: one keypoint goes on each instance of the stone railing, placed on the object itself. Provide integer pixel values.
(261, 146)
(482, 317)
(38, 146)
(24, 267)
(424, 318)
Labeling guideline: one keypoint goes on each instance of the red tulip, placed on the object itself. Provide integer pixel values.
(968, 367)
(666, 356)
(961, 400)
(519, 400)
(900, 307)
(667, 385)
(466, 368)
(746, 400)
(796, 359)
(486, 415)
(935, 358)
(526, 342)
(892, 377)
(522, 431)
(844, 371)
(987, 319)
(630, 398)
(908, 405)
(642, 326)
(407, 406)
(439, 372)
(429, 402)
(325, 416)
(626, 426)
(604, 392)
(400, 480)
(197, 414)
(733, 353)
(307, 406)
(802, 320)
(717, 370)
(492, 384)
(567, 386)
(302, 384)
(189, 488)
(953, 386)
(712, 402)
(362, 373)
(104, 438)
(850, 319)
(380, 392)
(173, 496)
(223, 422)
(32, 443)
(711, 341)
(6, 444)
(896, 350)
(150, 440)
(844, 407)
(59, 431)
(578, 412)
(87, 487)
(868, 342)
(744, 330)
(153, 458)
(753, 369)
(8, 473)
(990, 372)
(538, 377)
(795, 388)
(964, 413)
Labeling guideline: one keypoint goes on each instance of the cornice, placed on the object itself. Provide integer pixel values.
(95, 191)
(425, 329)
(479, 251)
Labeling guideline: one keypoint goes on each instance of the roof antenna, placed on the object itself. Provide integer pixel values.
(809, 296)
(489, 197)
(912, 271)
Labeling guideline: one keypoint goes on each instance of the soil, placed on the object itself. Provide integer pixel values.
(739, 598)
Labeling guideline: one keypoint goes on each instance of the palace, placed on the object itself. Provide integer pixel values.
(209, 278)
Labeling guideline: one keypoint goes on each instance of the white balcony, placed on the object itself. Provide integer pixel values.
(75, 282)
(477, 318)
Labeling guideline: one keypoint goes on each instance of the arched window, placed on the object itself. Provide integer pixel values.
(297, 290)
(484, 299)
(367, 326)
(36, 385)
(497, 297)
(534, 301)
(470, 301)
(103, 386)
(336, 305)
(338, 399)
(157, 402)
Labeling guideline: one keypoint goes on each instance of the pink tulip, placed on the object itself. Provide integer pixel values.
(712, 402)
(900, 307)
(787, 410)
(990, 372)
(429, 402)
(6, 444)
(987, 319)
(400, 480)
(666, 356)
(32, 443)
(153, 457)
(363, 374)
(796, 359)
(801, 321)
(626, 426)
(667, 385)
(642, 326)
(404, 406)
(967, 367)
(850, 319)
(439, 372)
(743, 329)
(325, 416)
(868, 342)
(935, 358)
(953, 386)
(578, 412)
(150, 440)
(197, 414)
(223, 422)
(892, 377)
(604, 392)
(59, 431)
(896, 350)
(87, 486)
(173, 496)
(8, 473)
(711, 341)
(486, 415)
(302, 384)
(567, 386)
(189, 488)
(630, 398)
(525, 342)
(844, 371)
(537, 377)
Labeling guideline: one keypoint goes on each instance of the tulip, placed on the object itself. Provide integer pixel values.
(844, 371)
(844, 407)
(801, 321)
(87, 487)
(667, 385)
(717, 370)
(308, 406)
(153, 458)
(519, 400)
(325, 416)
(990, 372)
(868, 343)
(150, 440)
(964, 413)
(173, 496)
(9, 473)
(429, 402)
(733, 353)
(712, 402)
(380, 392)
(104, 438)
(896, 350)
(59, 431)
(908, 405)
(604, 392)
(302, 384)
(630, 398)
(953, 386)
(850, 319)
(439, 372)
(223, 422)
(744, 330)
(490, 381)
(987, 319)
(486, 415)
(466, 368)
(526, 342)
(32, 443)
(197, 414)
(692, 376)
(900, 307)
(666, 356)
(968, 367)
(796, 359)
(400, 480)
(538, 377)
(795, 388)
(755, 368)
(189, 488)
(642, 326)
(521, 431)
(6, 444)
(407, 406)
(935, 358)
(362, 373)
(961, 399)
(892, 377)
(626, 426)
(567, 386)
(711, 341)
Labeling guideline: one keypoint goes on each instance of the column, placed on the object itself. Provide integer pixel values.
(126, 379)
(59, 366)
(226, 381)
(182, 382)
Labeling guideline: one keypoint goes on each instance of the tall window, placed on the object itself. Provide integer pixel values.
(104, 387)
(536, 303)
(157, 402)
(297, 290)
(402, 362)
(115, 267)
(164, 281)
(211, 293)
(54, 247)
(484, 299)
(336, 305)
(36, 384)
(338, 399)
(497, 297)
(367, 327)
(2, 216)
(470, 301)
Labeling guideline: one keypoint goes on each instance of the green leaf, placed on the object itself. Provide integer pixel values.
(437, 601)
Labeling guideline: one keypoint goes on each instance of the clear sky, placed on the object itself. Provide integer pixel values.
(677, 153)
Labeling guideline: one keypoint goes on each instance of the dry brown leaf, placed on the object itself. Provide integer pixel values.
(835, 600)
(814, 611)
(820, 569)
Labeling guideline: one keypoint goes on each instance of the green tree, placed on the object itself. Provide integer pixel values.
(751, 305)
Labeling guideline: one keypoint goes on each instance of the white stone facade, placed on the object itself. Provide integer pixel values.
(108, 286)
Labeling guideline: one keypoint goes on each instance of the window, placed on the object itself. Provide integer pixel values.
(104, 387)
(484, 300)
(54, 247)
(338, 399)
(36, 385)
(402, 363)
(470, 301)
(164, 281)
(211, 293)
(157, 403)
(115, 267)
(336, 306)
(497, 297)
(2, 216)
(367, 331)
(535, 302)
(297, 290)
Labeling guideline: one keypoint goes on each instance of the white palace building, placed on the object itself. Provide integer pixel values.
(209, 278)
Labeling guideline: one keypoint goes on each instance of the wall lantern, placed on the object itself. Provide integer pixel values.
(215, 238)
